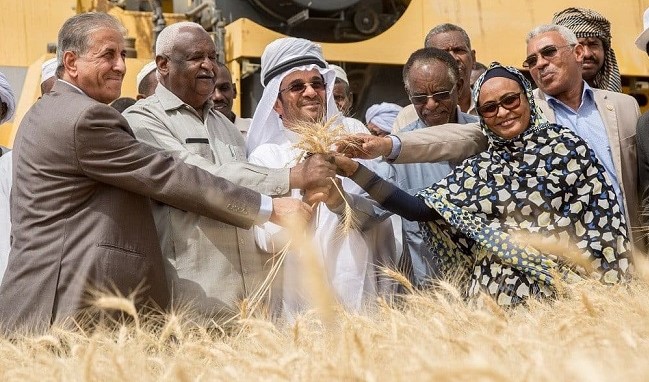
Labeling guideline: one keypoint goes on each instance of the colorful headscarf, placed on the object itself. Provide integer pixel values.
(546, 181)
(588, 23)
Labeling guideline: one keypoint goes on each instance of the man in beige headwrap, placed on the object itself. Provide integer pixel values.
(599, 68)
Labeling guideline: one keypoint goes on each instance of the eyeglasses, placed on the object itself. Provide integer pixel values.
(300, 87)
(422, 99)
(546, 52)
(509, 101)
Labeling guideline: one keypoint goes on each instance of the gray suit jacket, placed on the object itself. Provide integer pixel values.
(620, 113)
(81, 214)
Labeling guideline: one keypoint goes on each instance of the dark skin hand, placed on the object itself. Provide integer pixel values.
(313, 172)
(345, 166)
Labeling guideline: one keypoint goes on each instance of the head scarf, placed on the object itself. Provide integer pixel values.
(281, 57)
(7, 96)
(146, 69)
(643, 38)
(546, 181)
(537, 118)
(340, 73)
(383, 115)
(588, 23)
(48, 69)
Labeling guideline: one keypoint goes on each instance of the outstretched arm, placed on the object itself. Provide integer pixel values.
(388, 195)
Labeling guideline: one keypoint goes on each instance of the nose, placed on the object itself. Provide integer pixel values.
(217, 96)
(309, 91)
(541, 61)
(207, 64)
(120, 64)
(431, 103)
(501, 111)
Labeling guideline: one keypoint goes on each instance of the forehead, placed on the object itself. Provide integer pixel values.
(430, 74)
(544, 39)
(223, 75)
(446, 40)
(495, 87)
(339, 87)
(106, 38)
(304, 75)
(193, 40)
(589, 40)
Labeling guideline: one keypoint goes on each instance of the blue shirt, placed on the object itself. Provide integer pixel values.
(587, 123)
(412, 178)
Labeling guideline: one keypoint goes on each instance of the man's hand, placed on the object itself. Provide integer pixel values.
(313, 172)
(315, 195)
(335, 197)
(329, 194)
(290, 212)
(365, 146)
(346, 166)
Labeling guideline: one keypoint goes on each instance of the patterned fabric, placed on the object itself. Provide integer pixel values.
(547, 182)
(588, 23)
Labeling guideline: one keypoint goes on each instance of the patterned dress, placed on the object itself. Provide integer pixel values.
(545, 182)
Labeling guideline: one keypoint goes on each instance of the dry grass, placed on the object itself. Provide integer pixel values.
(320, 138)
(593, 333)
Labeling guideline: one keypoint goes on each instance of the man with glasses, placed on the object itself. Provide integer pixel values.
(604, 119)
(456, 41)
(433, 81)
(593, 31)
(298, 92)
(210, 265)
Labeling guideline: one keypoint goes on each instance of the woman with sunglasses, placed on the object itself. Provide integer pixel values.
(490, 220)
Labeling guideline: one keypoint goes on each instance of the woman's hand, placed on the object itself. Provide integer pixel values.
(345, 166)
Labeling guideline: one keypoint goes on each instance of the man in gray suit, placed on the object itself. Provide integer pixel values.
(209, 264)
(605, 119)
(80, 207)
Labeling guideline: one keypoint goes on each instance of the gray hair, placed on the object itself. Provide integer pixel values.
(426, 55)
(167, 38)
(444, 28)
(74, 35)
(567, 34)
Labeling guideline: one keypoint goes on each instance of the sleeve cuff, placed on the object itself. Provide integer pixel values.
(396, 148)
(265, 209)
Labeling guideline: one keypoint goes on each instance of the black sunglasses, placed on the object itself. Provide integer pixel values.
(300, 87)
(422, 99)
(509, 101)
(546, 52)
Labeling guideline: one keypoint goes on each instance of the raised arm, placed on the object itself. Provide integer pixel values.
(450, 142)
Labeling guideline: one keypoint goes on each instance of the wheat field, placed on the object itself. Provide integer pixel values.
(590, 333)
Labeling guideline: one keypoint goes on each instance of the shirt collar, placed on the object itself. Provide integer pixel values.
(170, 101)
(586, 95)
(73, 86)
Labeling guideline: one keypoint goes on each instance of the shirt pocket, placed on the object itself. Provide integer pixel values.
(200, 147)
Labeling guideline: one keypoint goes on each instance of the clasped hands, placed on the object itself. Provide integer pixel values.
(316, 175)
